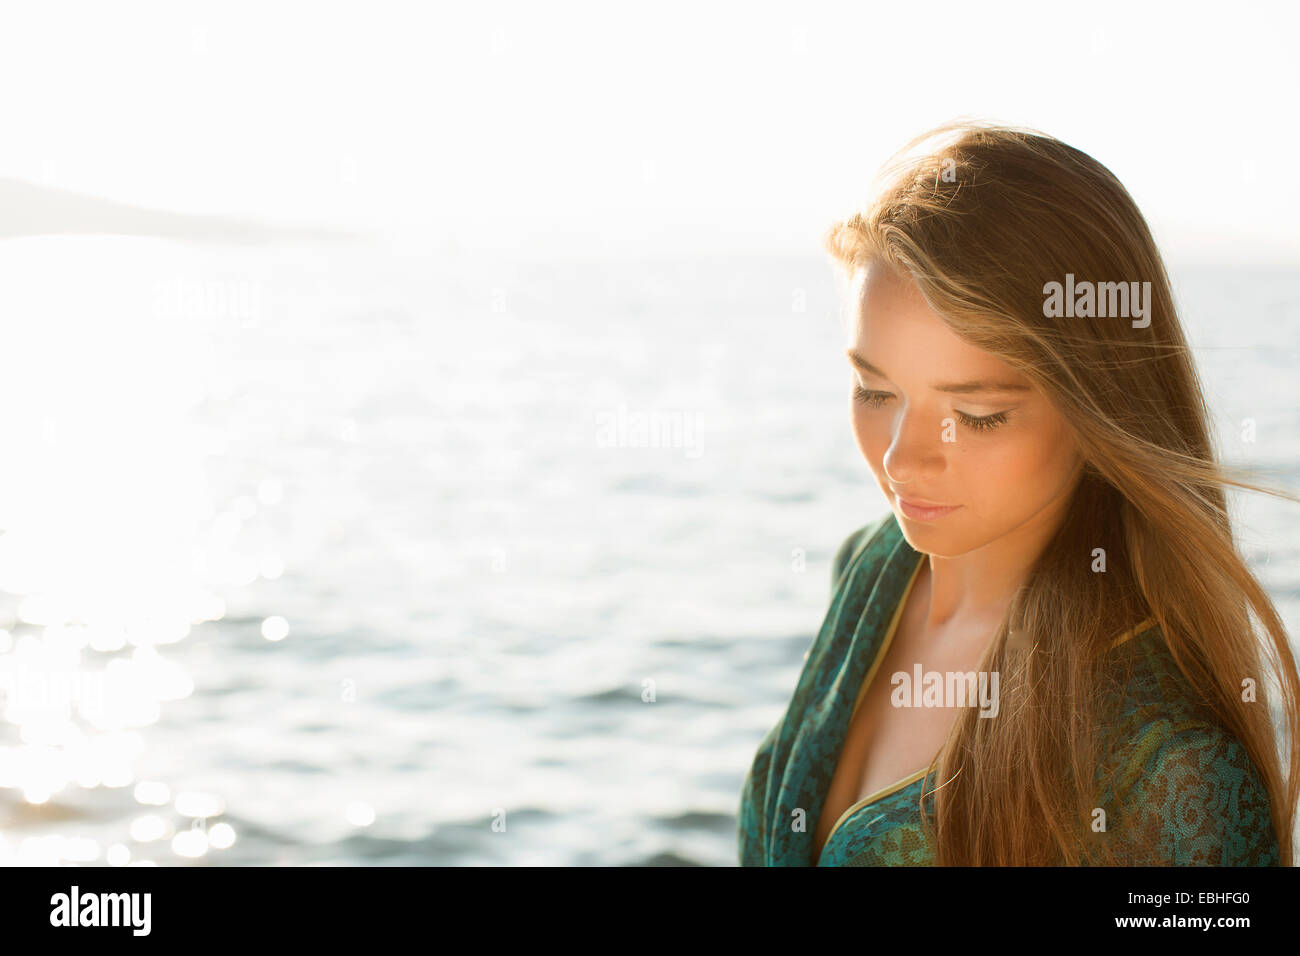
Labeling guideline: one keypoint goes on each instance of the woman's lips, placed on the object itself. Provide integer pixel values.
(923, 512)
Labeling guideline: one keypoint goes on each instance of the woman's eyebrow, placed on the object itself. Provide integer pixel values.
(956, 388)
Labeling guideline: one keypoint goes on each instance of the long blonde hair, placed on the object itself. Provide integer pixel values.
(982, 218)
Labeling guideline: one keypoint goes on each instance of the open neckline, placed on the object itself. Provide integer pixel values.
(1140, 628)
(862, 691)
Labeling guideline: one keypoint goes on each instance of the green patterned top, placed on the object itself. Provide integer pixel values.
(1180, 778)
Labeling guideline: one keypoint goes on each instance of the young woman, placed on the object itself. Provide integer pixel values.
(1025, 398)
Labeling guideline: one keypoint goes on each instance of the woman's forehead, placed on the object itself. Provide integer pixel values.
(895, 326)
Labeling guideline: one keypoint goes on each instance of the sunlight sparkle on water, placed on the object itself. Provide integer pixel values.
(112, 547)
(360, 813)
(153, 792)
(275, 628)
(191, 803)
(192, 842)
(221, 836)
(149, 827)
(118, 855)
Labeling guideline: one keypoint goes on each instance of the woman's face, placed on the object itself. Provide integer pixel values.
(943, 423)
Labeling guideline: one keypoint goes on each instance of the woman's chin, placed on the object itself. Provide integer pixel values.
(928, 539)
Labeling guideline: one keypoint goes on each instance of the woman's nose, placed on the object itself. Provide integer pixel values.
(916, 450)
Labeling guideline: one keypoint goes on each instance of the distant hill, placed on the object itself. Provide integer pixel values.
(27, 209)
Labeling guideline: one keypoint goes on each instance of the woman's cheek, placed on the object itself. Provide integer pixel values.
(1017, 477)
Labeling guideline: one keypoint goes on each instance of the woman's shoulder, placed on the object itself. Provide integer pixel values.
(1151, 689)
(1182, 785)
(1194, 797)
(1152, 703)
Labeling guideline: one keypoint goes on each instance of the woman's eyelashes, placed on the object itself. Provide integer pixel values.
(982, 423)
(867, 397)
(979, 423)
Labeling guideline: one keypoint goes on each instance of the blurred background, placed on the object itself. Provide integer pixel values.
(420, 419)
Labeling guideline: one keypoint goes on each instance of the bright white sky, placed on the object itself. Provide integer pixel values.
(698, 125)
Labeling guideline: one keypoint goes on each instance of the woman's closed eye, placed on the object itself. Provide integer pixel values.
(874, 399)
